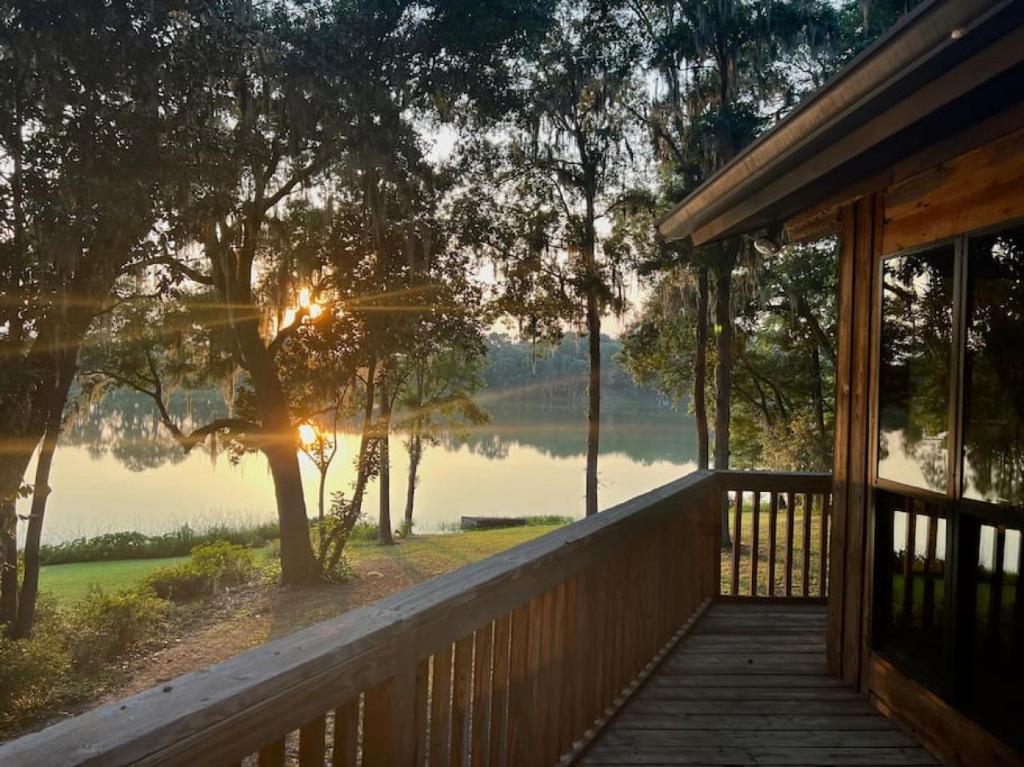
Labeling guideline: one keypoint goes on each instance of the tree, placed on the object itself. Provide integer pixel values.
(562, 172)
(438, 394)
(91, 120)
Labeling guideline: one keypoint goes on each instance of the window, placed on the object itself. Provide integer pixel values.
(994, 692)
(949, 498)
(911, 596)
(915, 362)
(994, 369)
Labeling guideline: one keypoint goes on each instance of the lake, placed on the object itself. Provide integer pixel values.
(116, 469)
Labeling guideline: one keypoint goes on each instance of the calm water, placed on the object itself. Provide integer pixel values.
(117, 470)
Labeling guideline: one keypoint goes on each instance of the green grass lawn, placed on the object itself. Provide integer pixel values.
(70, 582)
(421, 555)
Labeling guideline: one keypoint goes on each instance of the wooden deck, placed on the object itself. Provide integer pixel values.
(748, 685)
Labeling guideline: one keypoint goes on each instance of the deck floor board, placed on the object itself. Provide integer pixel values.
(749, 686)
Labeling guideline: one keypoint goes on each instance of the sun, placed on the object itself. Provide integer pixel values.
(307, 434)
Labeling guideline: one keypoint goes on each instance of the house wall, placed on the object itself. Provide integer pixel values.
(972, 181)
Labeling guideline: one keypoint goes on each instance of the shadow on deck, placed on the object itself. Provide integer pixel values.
(748, 685)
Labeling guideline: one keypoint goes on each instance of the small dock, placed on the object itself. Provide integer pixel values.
(748, 685)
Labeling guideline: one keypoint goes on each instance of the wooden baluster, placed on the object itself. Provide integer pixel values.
(908, 563)
(570, 648)
(377, 726)
(773, 524)
(461, 680)
(272, 755)
(441, 706)
(498, 745)
(421, 707)
(557, 710)
(928, 610)
(737, 539)
(480, 718)
(808, 509)
(519, 694)
(826, 503)
(312, 743)
(755, 540)
(790, 511)
(533, 684)
(346, 734)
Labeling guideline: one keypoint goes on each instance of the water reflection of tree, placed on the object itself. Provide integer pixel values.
(994, 373)
(644, 435)
(126, 426)
(917, 327)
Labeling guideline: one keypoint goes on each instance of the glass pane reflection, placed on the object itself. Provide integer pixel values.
(994, 369)
(995, 694)
(914, 368)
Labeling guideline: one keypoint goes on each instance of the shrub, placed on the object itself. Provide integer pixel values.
(363, 531)
(132, 545)
(212, 567)
(105, 626)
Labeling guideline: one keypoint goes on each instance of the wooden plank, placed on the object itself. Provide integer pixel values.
(480, 720)
(806, 570)
(377, 726)
(441, 706)
(759, 755)
(947, 732)
(462, 670)
(841, 448)
(312, 743)
(421, 712)
(751, 723)
(346, 734)
(774, 481)
(976, 189)
(646, 739)
(773, 523)
(790, 511)
(498, 745)
(755, 541)
(746, 693)
(823, 555)
(272, 755)
(519, 694)
(737, 542)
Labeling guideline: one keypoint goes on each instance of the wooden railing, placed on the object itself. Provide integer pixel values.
(513, 660)
(517, 659)
(778, 525)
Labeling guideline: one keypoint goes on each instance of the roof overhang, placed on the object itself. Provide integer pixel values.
(947, 65)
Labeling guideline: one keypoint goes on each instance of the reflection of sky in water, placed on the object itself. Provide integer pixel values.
(97, 495)
(901, 463)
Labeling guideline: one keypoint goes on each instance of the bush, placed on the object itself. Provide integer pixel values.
(105, 626)
(33, 671)
(212, 568)
(132, 545)
(363, 531)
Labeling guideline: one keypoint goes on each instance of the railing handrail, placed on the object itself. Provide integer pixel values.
(281, 685)
(775, 481)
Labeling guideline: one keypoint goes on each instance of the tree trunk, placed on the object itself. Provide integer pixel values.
(41, 492)
(415, 453)
(700, 365)
(365, 441)
(321, 515)
(723, 380)
(384, 536)
(819, 404)
(8, 563)
(593, 399)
